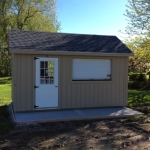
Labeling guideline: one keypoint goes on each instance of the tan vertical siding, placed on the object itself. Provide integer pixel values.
(105, 93)
(63, 74)
(23, 88)
(13, 78)
(91, 100)
(23, 79)
(117, 81)
(100, 94)
(95, 94)
(113, 86)
(68, 85)
(78, 96)
(87, 88)
(83, 95)
(121, 93)
(60, 69)
(29, 83)
(126, 81)
(72, 94)
(18, 85)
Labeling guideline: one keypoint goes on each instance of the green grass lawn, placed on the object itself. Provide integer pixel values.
(5, 80)
(5, 94)
(138, 98)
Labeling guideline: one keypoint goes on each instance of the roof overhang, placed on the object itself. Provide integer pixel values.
(68, 53)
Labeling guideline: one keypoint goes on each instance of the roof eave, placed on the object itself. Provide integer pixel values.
(17, 51)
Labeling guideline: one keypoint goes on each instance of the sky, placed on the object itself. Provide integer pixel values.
(102, 17)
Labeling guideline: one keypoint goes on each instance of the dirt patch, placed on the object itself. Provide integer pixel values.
(79, 135)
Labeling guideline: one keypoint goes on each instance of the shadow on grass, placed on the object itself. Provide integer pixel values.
(5, 80)
(139, 99)
(5, 122)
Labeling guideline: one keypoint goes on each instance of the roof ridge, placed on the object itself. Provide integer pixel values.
(60, 32)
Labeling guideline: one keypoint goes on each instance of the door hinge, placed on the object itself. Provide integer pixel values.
(36, 86)
(36, 58)
(35, 106)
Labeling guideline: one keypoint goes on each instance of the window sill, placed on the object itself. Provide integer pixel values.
(91, 81)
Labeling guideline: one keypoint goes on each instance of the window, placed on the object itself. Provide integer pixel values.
(47, 72)
(91, 69)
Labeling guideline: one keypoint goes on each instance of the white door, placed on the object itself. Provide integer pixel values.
(46, 88)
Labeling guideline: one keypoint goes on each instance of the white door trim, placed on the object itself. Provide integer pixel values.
(46, 94)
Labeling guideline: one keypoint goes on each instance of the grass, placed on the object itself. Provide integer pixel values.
(138, 98)
(5, 80)
(5, 94)
(140, 101)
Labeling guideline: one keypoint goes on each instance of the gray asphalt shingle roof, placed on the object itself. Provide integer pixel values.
(48, 41)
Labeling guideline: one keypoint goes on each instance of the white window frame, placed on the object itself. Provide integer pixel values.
(105, 74)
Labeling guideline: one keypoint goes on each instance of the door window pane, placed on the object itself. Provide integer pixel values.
(46, 64)
(51, 65)
(42, 64)
(47, 72)
(42, 72)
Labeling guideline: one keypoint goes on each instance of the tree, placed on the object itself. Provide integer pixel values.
(23, 11)
(138, 14)
(141, 59)
(24, 15)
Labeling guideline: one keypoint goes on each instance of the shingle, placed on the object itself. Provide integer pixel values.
(48, 41)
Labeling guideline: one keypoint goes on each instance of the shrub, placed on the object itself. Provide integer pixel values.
(133, 76)
(133, 85)
(142, 78)
(137, 81)
(5, 80)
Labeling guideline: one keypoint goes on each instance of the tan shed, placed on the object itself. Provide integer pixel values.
(67, 71)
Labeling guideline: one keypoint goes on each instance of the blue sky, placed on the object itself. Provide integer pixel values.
(103, 17)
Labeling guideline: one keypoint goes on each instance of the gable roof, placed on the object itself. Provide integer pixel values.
(48, 41)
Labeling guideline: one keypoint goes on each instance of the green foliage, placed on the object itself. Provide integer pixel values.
(137, 77)
(34, 15)
(5, 80)
(132, 76)
(138, 26)
(5, 64)
(138, 17)
(137, 81)
(138, 98)
(141, 78)
(5, 94)
(24, 15)
(134, 85)
(141, 59)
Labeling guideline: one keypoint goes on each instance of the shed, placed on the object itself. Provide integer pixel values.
(67, 71)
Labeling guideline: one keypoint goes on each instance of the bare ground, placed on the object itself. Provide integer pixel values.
(130, 134)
